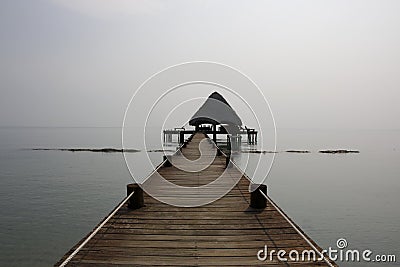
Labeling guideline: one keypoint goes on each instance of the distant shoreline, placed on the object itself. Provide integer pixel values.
(121, 150)
(328, 151)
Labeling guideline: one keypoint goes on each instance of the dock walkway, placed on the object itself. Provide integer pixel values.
(225, 232)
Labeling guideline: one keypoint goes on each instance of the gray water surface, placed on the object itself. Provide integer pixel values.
(49, 200)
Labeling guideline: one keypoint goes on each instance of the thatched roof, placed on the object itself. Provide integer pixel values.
(215, 110)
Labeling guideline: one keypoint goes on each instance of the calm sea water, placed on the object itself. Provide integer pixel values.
(49, 200)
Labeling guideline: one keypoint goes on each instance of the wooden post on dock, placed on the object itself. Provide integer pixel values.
(136, 201)
(228, 153)
(167, 160)
(228, 161)
(257, 200)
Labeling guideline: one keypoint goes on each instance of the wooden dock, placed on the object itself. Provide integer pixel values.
(226, 232)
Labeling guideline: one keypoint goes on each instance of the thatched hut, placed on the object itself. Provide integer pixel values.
(216, 111)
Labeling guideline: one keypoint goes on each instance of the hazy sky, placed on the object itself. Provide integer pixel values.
(321, 64)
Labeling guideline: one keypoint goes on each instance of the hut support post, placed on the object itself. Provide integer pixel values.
(236, 142)
(214, 129)
(136, 201)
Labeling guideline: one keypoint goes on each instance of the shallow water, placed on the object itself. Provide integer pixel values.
(49, 200)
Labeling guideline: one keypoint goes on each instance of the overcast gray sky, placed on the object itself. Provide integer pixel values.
(321, 64)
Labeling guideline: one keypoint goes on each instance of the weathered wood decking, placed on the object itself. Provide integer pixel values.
(224, 233)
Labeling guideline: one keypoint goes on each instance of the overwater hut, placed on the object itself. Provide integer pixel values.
(216, 111)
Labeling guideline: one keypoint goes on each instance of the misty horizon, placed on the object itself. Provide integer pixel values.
(321, 65)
